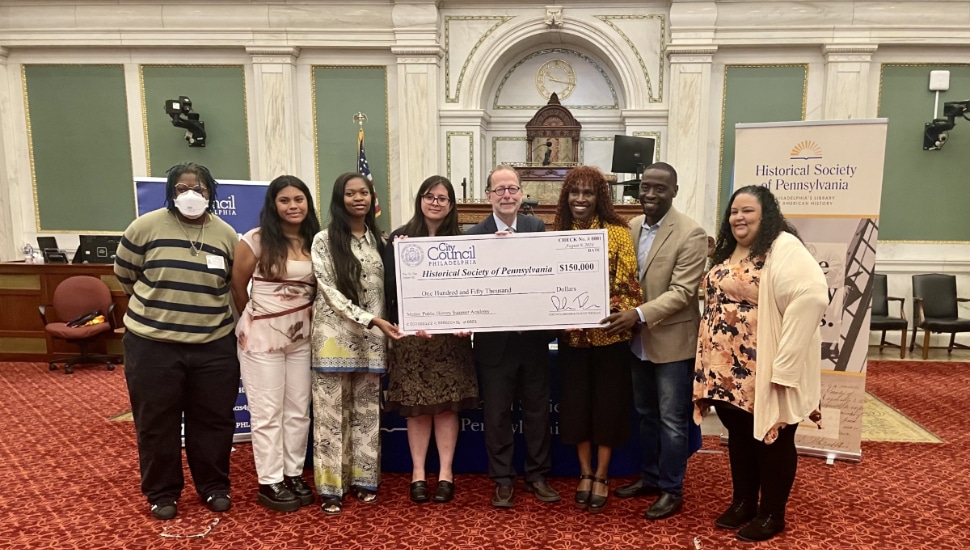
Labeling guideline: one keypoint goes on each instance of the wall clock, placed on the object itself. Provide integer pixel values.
(555, 76)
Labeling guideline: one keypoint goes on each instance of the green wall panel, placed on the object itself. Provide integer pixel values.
(80, 146)
(763, 93)
(339, 92)
(924, 193)
(218, 94)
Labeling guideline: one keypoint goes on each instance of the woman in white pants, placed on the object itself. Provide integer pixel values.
(274, 339)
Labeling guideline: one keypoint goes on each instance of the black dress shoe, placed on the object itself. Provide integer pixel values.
(419, 491)
(503, 496)
(165, 510)
(666, 506)
(636, 489)
(739, 513)
(298, 486)
(762, 527)
(277, 496)
(445, 491)
(582, 497)
(542, 491)
(598, 502)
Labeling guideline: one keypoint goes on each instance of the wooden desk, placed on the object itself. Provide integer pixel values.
(472, 213)
(24, 287)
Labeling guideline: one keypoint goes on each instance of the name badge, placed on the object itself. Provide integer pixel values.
(213, 261)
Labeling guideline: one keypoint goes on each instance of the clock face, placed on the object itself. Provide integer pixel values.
(555, 76)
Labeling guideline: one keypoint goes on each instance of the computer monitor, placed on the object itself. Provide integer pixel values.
(632, 154)
(96, 249)
(52, 253)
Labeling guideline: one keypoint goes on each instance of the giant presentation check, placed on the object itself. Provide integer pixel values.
(520, 281)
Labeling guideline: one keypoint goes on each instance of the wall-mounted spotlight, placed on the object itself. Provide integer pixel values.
(182, 117)
(936, 132)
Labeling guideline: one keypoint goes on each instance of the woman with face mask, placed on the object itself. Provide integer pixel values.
(180, 350)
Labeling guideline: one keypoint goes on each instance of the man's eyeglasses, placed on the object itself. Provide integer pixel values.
(182, 188)
(432, 199)
(502, 190)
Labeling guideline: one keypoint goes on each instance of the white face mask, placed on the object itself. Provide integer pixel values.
(191, 204)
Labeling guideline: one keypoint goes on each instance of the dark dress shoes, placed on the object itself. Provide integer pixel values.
(218, 503)
(739, 513)
(298, 487)
(165, 510)
(542, 491)
(666, 506)
(762, 527)
(277, 496)
(503, 496)
(445, 491)
(419, 491)
(636, 489)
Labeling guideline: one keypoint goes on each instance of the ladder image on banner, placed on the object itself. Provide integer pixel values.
(860, 264)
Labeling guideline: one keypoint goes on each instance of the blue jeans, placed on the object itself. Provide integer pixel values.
(662, 396)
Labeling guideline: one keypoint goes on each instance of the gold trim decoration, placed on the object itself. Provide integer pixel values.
(636, 52)
(724, 79)
(882, 241)
(656, 142)
(23, 345)
(461, 76)
(471, 155)
(19, 282)
(495, 140)
(144, 106)
(30, 145)
(582, 147)
(316, 135)
(562, 51)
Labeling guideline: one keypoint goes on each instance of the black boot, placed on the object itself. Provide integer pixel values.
(299, 488)
(276, 496)
(762, 527)
(740, 512)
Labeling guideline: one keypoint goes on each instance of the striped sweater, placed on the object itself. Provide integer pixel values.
(176, 296)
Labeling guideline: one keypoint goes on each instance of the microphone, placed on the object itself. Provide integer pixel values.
(548, 143)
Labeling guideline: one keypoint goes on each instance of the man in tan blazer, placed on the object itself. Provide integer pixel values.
(671, 255)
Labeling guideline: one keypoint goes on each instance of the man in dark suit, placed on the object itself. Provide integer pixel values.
(514, 364)
(671, 255)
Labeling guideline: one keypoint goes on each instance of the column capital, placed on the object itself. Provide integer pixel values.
(687, 53)
(273, 54)
(418, 54)
(848, 53)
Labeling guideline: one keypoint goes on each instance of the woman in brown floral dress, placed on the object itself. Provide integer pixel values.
(760, 366)
(430, 379)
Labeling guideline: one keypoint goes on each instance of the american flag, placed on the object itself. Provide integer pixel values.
(364, 168)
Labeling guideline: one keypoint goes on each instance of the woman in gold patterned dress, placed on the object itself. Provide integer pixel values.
(348, 357)
(595, 368)
(760, 366)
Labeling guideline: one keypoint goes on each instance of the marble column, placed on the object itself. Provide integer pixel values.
(9, 248)
(277, 139)
(688, 129)
(418, 56)
(847, 82)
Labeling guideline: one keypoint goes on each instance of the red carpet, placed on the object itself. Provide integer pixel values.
(71, 481)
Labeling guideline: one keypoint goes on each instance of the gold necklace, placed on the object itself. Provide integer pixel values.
(195, 247)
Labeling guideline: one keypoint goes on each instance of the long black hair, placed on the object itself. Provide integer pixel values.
(274, 246)
(201, 172)
(604, 203)
(773, 223)
(417, 226)
(346, 266)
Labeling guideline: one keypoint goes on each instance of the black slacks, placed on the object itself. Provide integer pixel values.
(756, 466)
(166, 380)
(521, 374)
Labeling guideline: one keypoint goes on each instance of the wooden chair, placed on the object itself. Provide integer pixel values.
(935, 309)
(881, 319)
